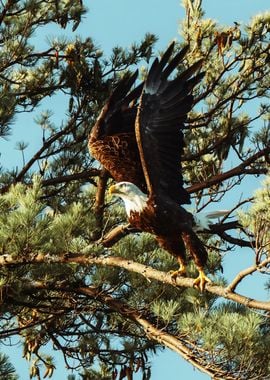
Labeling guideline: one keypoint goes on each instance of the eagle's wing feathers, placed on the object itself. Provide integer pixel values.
(162, 111)
(110, 119)
(112, 139)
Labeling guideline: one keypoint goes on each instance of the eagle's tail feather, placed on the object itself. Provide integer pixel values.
(203, 219)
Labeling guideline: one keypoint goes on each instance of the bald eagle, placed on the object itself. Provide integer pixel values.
(138, 138)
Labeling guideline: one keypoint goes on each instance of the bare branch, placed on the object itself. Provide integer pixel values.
(100, 199)
(72, 177)
(116, 234)
(246, 272)
(236, 171)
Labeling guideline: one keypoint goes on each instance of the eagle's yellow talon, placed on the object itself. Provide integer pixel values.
(200, 282)
(179, 272)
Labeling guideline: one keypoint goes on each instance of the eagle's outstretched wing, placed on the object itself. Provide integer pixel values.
(112, 140)
(162, 111)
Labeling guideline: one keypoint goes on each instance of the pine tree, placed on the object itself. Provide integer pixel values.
(72, 271)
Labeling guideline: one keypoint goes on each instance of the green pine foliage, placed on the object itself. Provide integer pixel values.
(232, 333)
(7, 370)
(257, 218)
(58, 286)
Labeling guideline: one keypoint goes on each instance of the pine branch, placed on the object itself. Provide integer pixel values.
(217, 142)
(236, 171)
(153, 333)
(5, 10)
(45, 146)
(146, 271)
(180, 346)
(235, 241)
(123, 230)
(151, 273)
(100, 199)
(246, 272)
(116, 234)
(86, 174)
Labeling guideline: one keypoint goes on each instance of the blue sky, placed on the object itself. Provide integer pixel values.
(121, 22)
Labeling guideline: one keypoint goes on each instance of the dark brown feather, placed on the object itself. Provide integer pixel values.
(162, 111)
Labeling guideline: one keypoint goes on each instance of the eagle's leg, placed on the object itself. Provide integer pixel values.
(199, 255)
(181, 271)
(201, 281)
(175, 245)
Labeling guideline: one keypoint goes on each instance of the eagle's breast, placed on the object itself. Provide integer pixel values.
(153, 219)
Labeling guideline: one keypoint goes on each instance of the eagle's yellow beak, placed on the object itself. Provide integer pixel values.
(113, 190)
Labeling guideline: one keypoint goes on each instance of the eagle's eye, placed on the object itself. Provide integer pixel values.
(124, 187)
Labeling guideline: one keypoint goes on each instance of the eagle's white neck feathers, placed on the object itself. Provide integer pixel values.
(134, 199)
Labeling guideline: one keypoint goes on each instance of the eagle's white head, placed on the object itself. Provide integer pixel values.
(133, 197)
